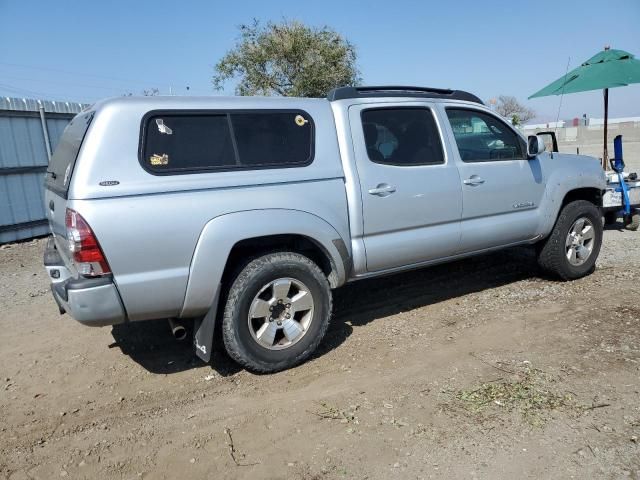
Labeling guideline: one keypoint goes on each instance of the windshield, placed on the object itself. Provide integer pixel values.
(63, 159)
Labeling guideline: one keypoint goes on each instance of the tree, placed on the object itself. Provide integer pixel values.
(152, 92)
(288, 59)
(510, 108)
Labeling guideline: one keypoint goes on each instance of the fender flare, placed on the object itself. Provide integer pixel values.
(556, 192)
(221, 233)
(218, 238)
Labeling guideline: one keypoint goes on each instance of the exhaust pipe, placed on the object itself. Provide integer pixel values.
(177, 329)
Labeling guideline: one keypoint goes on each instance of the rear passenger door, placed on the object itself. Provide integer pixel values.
(501, 188)
(411, 192)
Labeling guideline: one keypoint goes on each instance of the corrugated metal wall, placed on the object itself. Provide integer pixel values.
(23, 162)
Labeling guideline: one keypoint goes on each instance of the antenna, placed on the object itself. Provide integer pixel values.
(564, 82)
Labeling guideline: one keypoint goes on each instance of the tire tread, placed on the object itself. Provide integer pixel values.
(233, 347)
(551, 256)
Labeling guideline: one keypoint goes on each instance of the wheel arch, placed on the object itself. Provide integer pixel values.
(244, 250)
(233, 237)
(557, 199)
(590, 194)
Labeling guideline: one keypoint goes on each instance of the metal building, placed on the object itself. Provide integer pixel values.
(29, 132)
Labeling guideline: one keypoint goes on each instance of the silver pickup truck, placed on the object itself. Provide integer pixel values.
(242, 214)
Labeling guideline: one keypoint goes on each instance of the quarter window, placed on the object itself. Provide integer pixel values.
(402, 136)
(194, 142)
(484, 138)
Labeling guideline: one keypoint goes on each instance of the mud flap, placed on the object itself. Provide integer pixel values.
(203, 331)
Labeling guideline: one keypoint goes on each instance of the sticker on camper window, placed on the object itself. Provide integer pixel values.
(156, 159)
(300, 120)
(162, 128)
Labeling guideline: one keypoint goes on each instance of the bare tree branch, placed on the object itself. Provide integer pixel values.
(510, 108)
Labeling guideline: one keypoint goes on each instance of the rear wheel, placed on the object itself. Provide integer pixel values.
(571, 250)
(277, 312)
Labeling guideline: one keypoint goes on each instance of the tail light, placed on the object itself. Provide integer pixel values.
(84, 247)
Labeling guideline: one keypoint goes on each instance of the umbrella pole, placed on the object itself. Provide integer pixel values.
(605, 156)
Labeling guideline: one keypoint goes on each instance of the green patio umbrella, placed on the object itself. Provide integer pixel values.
(605, 70)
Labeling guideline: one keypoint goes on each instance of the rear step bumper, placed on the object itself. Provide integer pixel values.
(90, 301)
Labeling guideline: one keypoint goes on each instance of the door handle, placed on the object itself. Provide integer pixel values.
(473, 180)
(382, 190)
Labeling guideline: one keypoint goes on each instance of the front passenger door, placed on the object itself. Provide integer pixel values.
(501, 188)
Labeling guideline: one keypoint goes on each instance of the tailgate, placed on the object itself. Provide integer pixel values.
(56, 207)
(59, 173)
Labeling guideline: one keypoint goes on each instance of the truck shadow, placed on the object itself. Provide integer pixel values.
(151, 344)
(361, 302)
(618, 226)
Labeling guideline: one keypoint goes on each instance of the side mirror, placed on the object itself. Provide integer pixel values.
(553, 141)
(535, 146)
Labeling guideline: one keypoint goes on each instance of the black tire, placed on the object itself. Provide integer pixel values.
(633, 222)
(552, 253)
(237, 336)
(610, 218)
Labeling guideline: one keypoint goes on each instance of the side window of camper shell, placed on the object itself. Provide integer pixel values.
(193, 142)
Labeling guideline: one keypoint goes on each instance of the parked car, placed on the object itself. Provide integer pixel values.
(244, 213)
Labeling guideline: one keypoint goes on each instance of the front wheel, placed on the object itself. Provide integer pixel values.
(571, 250)
(277, 312)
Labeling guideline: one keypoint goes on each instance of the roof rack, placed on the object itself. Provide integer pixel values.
(400, 91)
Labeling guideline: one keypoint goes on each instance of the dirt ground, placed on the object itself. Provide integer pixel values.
(477, 369)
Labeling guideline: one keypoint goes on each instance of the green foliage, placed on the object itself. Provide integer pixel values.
(288, 59)
(529, 393)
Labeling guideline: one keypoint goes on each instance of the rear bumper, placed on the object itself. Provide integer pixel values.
(90, 301)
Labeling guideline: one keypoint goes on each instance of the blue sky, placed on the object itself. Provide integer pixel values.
(86, 50)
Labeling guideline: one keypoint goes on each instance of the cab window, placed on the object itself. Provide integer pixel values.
(484, 138)
(402, 136)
